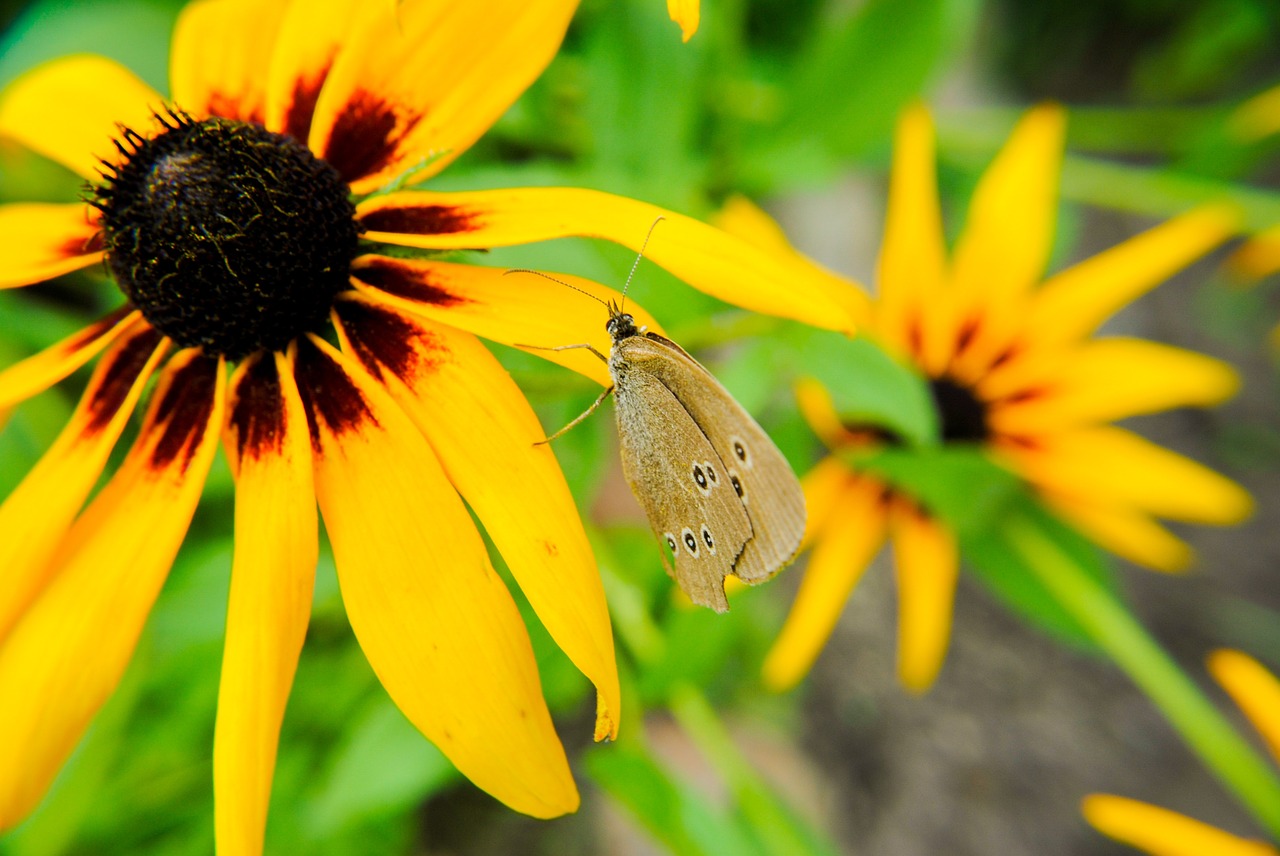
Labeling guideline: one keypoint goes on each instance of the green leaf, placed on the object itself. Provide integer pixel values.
(958, 484)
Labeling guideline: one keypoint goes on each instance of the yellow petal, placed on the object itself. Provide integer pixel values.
(710, 260)
(1005, 245)
(912, 317)
(71, 110)
(434, 619)
(517, 308)
(1258, 117)
(847, 545)
(1110, 465)
(819, 411)
(927, 564)
(270, 603)
(1124, 531)
(36, 515)
(1254, 690)
(686, 14)
(1111, 379)
(1257, 257)
(488, 446)
(823, 486)
(744, 219)
(221, 51)
(1072, 304)
(311, 34)
(1161, 832)
(67, 653)
(40, 241)
(425, 83)
(40, 371)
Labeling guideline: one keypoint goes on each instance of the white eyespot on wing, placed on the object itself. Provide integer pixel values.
(737, 486)
(690, 541)
(709, 541)
(741, 451)
(700, 479)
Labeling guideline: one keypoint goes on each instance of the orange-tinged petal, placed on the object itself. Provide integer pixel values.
(685, 13)
(310, 36)
(220, 54)
(67, 653)
(1071, 304)
(272, 573)
(434, 619)
(823, 486)
(489, 446)
(39, 241)
(713, 261)
(1257, 257)
(1124, 531)
(742, 218)
(927, 565)
(1161, 832)
(71, 110)
(425, 83)
(911, 318)
(514, 308)
(40, 371)
(848, 543)
(1112, 465)
(1254, 690)
(36, 515)
(1111, 379)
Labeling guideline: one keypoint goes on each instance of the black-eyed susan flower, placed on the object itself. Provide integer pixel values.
(236, 217)
(1162, 832)
(1014, 368)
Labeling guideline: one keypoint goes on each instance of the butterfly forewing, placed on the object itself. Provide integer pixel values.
(682, 483)
(758, 474)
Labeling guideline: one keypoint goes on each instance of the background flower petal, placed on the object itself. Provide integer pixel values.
(221, 51)
(1161, 832)
(685, 13)
(927, 565)
(1125, 531)
(39, 241)
(1254, 690)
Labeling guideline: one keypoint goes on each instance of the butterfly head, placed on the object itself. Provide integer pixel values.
(621, 325)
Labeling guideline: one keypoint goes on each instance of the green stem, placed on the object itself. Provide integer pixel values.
(1115, 629)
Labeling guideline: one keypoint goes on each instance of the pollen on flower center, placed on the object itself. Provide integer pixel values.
(226, 236)
(962, 418)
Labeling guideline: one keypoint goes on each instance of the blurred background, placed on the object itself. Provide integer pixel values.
(791, 102)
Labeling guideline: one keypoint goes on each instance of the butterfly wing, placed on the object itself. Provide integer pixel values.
(682, 484)
(759, 474)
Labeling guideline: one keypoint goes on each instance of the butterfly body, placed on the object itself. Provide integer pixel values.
(715, 488)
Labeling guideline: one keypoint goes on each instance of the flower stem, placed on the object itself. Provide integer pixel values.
(1129, 645)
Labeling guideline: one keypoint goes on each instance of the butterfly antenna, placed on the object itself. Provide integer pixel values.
(639, 256)
(561, 281)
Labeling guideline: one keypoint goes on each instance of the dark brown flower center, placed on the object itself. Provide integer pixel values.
(227, 236)
(962, 418)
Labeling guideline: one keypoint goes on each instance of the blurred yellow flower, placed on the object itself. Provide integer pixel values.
(1162, 832)
(1014, 369)
(686, 13)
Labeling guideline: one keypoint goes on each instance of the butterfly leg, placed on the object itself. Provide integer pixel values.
(587, 345)
(581, 416)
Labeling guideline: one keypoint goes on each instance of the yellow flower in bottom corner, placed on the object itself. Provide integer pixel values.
(1162, 832)
(1014, 369)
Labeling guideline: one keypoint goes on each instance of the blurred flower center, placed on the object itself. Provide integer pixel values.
(962, 418)
(226, 236)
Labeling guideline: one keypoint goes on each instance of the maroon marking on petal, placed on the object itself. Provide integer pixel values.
(968, 332)
(915, 336)
(79, 246)
(383, 338)
(407, 281)
(1025, 395)
(115, 376)
(1005, 356)
(420, 220)
(258, 416)
(302, 106)
(366, 135)
(328, 394)
(231, 107)
(1029, 443)
(181, 416)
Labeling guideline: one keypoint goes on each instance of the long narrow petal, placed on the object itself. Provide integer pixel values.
(927, 565)
(713, 261)
(1071, 304)
(1115, 466)
(221, 51)
(1254, 690)
(517, 308)
(271, 580)
(489, 445)
(848, 543)
(36, 515)
(912, 315)
(311, 34)
(40, 371)
(67, 653)
(823, 486)
(1161, 832)
(1257, 257)
(1110, 379)
(424, 83)
(686, 13)
(819, 411)
(39, 241)
(1124, 531)
(434, 619)
(71, 109)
